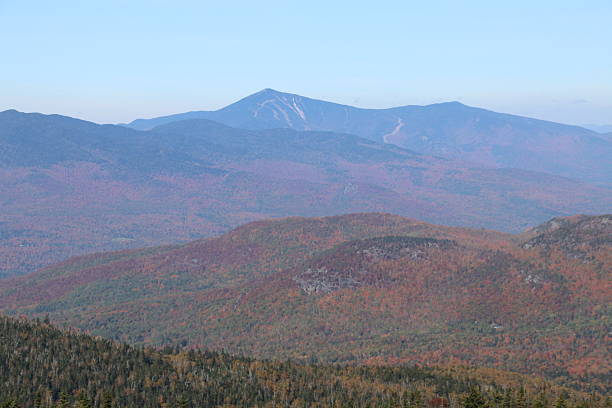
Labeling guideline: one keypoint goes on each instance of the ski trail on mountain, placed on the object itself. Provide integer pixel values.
(400, 124)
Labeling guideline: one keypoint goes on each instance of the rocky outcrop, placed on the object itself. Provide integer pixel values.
(354, 264)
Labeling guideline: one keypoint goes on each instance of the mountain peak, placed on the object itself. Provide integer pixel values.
(447, 129)
(268, 91)
(450, 104)
(14, 113)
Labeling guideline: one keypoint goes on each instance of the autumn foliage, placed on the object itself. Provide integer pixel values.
(363, 288)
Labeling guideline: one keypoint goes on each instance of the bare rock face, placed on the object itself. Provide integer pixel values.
(322, 280)
(354, 264)
(400, 249)
(576, 236)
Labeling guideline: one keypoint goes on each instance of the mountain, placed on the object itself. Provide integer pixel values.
(68, 187)
(607, 136)
(598, 128)
(47, 368)
(451, 130)
(361, 288)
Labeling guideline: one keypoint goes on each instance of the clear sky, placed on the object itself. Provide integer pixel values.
(114, 61)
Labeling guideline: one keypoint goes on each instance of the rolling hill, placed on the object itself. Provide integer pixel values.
(361, 288)
(68, 187)
(451, 130)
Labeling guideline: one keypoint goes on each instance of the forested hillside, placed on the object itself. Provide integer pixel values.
(43, 367)
(451, 130)
(70, 187)
(359, 288)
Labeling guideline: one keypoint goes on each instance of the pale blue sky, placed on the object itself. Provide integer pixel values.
(113, 61)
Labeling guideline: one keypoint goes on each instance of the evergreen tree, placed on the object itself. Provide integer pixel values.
(62, 402)
(182, 402)
(38, 361)
(507, 400)
(521, 399)
(38, 401)
(561, 403)
(474, 399)
(107, 400)
(83, 401)
(541, 402)
(415, 400)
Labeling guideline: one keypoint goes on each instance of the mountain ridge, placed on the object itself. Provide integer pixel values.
(140, 124)
(195, 178)
(449, 129)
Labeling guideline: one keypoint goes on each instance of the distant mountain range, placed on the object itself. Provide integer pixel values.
(598, 128)
(69, 186)
(450, 130)
(360, 288)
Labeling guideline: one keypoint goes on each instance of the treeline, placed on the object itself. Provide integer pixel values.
(44, 367)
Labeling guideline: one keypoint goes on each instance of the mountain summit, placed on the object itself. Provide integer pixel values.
(269, 109)
(451, 130)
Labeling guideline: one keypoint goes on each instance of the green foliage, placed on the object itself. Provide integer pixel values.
(474, 399)
(44, 367)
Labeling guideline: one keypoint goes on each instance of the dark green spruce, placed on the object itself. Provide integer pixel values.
(44, 367)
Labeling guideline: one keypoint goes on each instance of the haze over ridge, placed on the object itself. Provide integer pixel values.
(449, 129)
